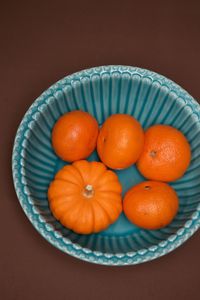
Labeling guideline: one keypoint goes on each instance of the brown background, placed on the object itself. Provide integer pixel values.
(42, 42)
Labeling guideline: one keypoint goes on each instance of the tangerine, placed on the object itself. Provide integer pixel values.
(151, 205)
(120, 141)
(74, 135)
(166, 154)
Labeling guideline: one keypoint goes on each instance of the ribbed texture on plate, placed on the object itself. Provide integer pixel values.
(103, 91)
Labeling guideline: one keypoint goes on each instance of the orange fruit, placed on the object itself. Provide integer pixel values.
(120, 141)
(74, 135)
(151, 204)
(166, 154)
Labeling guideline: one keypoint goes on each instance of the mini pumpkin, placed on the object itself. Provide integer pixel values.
(85, 197)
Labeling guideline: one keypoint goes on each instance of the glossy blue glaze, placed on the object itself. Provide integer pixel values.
(102, 91)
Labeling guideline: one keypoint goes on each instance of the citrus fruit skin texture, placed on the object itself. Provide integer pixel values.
(151, 205)
(74, 135)
(166, 154)
(120, 141)
(85, 196)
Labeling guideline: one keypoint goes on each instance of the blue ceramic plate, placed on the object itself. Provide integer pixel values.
(102, 91)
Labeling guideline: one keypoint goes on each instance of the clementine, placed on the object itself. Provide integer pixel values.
(166, 154)
(120, 141)
(74, 135)
(151, 205)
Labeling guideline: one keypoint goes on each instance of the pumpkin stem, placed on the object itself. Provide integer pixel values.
(153, 153)
(88, 191)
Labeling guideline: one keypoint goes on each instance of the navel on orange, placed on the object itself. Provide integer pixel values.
(151, 205)
(166, 154)
(120, 141)
(74, 135)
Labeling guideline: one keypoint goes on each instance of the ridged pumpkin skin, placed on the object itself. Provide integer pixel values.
(85, 197)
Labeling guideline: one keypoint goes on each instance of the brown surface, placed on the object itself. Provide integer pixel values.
(40, 43)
